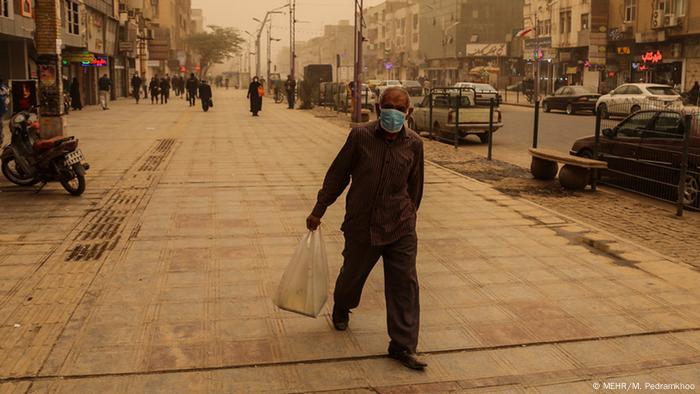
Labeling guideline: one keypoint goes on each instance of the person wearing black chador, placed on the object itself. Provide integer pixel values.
(254, 96)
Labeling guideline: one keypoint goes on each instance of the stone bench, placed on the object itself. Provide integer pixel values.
(573, 175)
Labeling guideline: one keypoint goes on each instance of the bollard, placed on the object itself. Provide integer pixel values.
(687, 122)
(490, 153)
(457, 104)
(596, 149)
(430, 126)
(536, 126)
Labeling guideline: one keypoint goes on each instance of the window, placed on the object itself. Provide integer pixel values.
(415, 21)
(630, 10)
(154, 6)
(633, 90)
(6, 8)
(584, 21)
(672, 7)
(565, 22)
(72, 17)
(635, 125)
(668, 125)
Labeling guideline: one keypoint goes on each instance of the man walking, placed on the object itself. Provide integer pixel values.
(192, 86)
(384, 160)
(290, 87)
(136, 86)
(164, 89)
(205, 95)
(105, 85)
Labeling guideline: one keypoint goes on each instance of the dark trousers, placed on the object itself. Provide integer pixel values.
(400, 285)
(290, 99)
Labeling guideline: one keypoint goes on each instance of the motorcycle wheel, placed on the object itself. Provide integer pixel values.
(76, 185)
(14, 174)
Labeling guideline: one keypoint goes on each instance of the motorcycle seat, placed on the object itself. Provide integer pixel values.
(44, 145)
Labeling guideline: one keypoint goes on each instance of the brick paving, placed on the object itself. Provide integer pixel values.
(191, 218)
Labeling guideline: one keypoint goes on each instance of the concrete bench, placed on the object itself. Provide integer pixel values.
(573, 175)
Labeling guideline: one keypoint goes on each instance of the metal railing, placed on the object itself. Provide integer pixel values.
(654, 151)
(454, 99)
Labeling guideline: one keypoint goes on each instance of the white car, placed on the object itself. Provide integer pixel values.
(632, 97)
(483, 92)
(381, 87)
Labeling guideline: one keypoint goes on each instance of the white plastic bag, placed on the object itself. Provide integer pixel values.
(304, 285)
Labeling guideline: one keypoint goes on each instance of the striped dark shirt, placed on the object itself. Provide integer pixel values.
(386, 188)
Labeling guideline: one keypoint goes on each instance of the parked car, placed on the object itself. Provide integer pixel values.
(414, 88)
(571, 99)
(472, 120)
(368, 98)
(629, 98)
(372, 83)
(648, 145)
(483, 92)
(385, 84)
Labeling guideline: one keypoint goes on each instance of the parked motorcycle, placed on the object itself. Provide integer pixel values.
(29, 160)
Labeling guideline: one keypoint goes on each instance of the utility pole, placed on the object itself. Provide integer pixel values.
(292, 38)
(48, 47)
(269, 48)
(359, 38)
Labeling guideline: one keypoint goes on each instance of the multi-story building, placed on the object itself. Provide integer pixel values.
(466, 40)
(16, 41)
(171, 25)
(335, 43)
(568, 39)
(391, 50)
(654, 41)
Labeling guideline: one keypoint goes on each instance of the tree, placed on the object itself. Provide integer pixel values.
(214, 46)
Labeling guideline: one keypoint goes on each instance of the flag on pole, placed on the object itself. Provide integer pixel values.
(524, 32)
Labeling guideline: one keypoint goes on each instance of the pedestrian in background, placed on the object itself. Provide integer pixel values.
(4, 106)
(75, 101)
(136, 87)
(155, 90)
(144, 86)
(205, 95)
(192, 86)
(255, 95)
(383, 163)
(290, 86)
(105, 85)
(694, 94)
(164, 90)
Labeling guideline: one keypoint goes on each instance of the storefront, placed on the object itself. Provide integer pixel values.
(87, 67)
(660, 63)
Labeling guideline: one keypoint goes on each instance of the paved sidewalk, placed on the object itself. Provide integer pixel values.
(161, 279)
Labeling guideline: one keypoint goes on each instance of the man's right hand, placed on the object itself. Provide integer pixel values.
(312, 222)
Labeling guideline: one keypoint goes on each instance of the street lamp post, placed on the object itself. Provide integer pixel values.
(269, 49)
(357, 80)
(259, 34)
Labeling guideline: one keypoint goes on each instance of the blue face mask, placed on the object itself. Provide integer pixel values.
(391, 120)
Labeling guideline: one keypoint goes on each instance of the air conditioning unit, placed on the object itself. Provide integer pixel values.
(670, 20)
(657, 19)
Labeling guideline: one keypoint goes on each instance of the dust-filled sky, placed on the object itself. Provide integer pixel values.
(239, 14)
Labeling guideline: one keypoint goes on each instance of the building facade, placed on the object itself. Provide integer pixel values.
(17, 51)
(334, 47)
(171, 25)
(470, 40)
(654, 41)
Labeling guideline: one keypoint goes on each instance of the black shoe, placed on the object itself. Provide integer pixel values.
(408, 359)
(340, 319)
